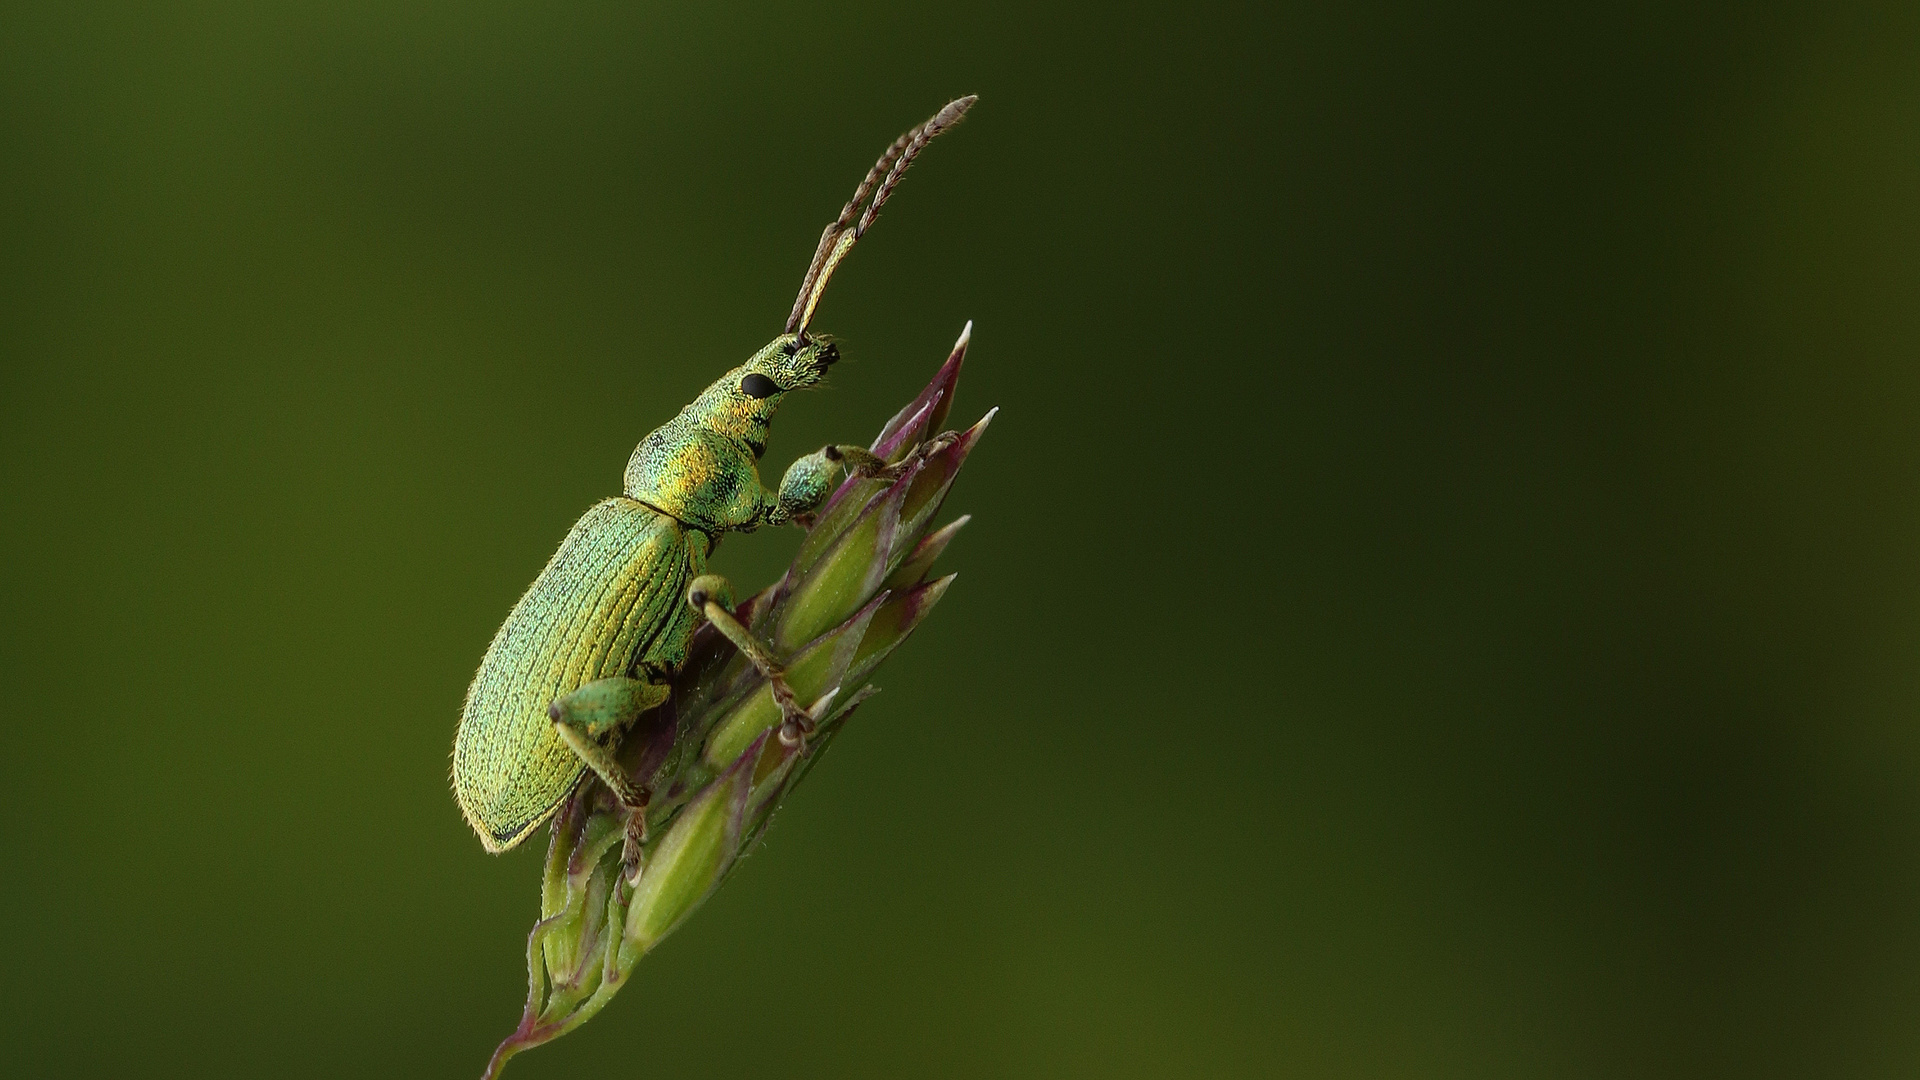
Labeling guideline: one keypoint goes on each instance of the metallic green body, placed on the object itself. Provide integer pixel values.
(612, 601)
(614, 607)
(607, 604)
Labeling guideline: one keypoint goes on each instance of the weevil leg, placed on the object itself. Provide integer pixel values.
(804, 488)
(866, 463)
(704, 594)
(874, 467)
(809, 479)
(582, 717)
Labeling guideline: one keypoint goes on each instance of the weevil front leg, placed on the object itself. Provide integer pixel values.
(582, 718)
(803, 489)
(809, 479)
(705, 595)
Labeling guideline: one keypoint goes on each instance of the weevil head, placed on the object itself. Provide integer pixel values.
(789, 362)
(741, 403)
(699, 466)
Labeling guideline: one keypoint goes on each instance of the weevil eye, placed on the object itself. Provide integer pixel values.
(757, 385)
(829, 355)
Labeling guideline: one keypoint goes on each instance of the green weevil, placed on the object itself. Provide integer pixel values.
(595, 640)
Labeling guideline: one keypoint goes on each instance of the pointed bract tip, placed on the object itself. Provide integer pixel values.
(824, 705)
(966, 335)
(922, 599)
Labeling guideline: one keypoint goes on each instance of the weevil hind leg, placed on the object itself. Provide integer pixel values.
(582, 717)
(705, 595)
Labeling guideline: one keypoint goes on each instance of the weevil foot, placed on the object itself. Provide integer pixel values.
(871, 466)
(794, 730)
(933, 445)
(795, 724)
(633, 855)
(795, 727)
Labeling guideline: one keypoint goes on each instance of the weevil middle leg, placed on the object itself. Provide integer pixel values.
(588, 713)
(705, 594)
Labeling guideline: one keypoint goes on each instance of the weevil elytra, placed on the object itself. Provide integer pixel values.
(593, 642)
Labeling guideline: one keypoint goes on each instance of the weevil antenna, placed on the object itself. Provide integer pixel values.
(858, 215)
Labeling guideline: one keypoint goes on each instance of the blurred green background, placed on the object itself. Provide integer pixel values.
(1443, 600)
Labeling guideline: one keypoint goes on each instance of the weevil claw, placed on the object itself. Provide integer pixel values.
(798, 725)
(633, 851)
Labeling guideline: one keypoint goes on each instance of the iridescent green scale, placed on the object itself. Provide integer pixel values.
(608, 601)
(592, 644)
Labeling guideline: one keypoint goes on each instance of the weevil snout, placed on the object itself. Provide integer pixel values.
(792, 362)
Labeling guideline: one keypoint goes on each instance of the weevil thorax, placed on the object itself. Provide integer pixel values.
(699, 467)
